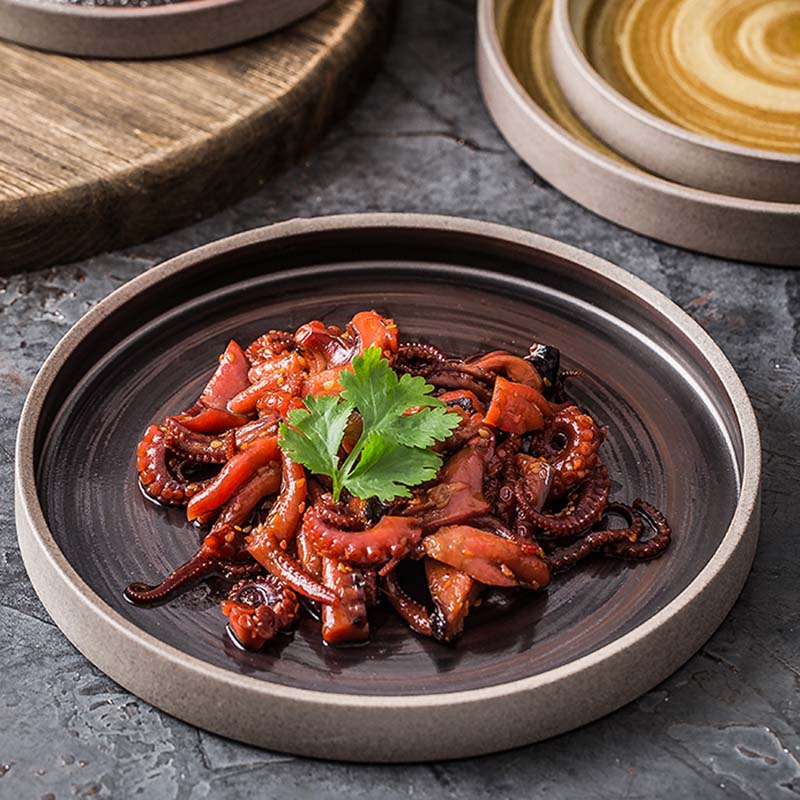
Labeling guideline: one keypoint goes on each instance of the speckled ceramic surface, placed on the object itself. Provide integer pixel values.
(143, 28)
(529, 108)
(681, 433)
(702, 92)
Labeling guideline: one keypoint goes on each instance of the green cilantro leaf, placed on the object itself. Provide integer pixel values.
(400, 422)
(383, 399)
(386, 470)
(422, 428)
(314, 433)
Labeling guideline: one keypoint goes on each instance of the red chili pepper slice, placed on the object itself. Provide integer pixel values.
(229, 379)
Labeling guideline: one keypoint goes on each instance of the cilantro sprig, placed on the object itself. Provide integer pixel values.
(400, 420)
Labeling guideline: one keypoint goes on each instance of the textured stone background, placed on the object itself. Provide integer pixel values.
(726, 725)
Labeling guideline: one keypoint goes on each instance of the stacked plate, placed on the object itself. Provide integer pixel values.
(679, 119)
(144, 28)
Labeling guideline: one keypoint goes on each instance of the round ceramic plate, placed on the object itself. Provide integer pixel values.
(522, 95)
(144, 28)
(725, 64)
(530, 665)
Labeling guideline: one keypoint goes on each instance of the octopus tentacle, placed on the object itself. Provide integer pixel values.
(287, 568)
(220, 553)
(652, 547)
(452, 593)
(200, 447)
(488, 558)
(510, 366)
(415, 614)
(233, 475)
(265, 426)
(246, 401)
(346, 619)
(258, 609)
(222, 549)
(570, 442)
(155, 475)
(635, 524)
(446, 377)
(391, 537)
(273, 343)
(492, 524)
(199, 566)
(370, 578)
(267, 542)
(590, 502)
(344, 519)
(389, 566)
(265, 482)
(235, 570)
(503, 474)
(276, 369)
(564, 558)
(532, 488)
(412, 355)
(209, 420)
(474, 369)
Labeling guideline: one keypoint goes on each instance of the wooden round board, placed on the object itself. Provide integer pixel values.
(96, 155)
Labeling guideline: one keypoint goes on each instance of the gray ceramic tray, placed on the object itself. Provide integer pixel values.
(681, 433)
(144, 28)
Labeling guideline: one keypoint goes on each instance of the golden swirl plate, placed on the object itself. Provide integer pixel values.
(516, 69)
(703, 92)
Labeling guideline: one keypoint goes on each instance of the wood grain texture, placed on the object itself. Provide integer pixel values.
(97, 154)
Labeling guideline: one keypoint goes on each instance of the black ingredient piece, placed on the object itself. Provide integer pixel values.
(547, 360)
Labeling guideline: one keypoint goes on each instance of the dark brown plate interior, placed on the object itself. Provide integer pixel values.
(669, 441)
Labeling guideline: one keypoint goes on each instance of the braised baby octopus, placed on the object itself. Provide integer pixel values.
(319, 461)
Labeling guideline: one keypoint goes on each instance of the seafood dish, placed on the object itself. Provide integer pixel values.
(319, 462)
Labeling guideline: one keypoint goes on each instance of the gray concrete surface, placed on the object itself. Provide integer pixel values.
(726, 725)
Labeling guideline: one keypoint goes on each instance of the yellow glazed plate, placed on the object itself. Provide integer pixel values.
(526, 103)
(703, 92)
